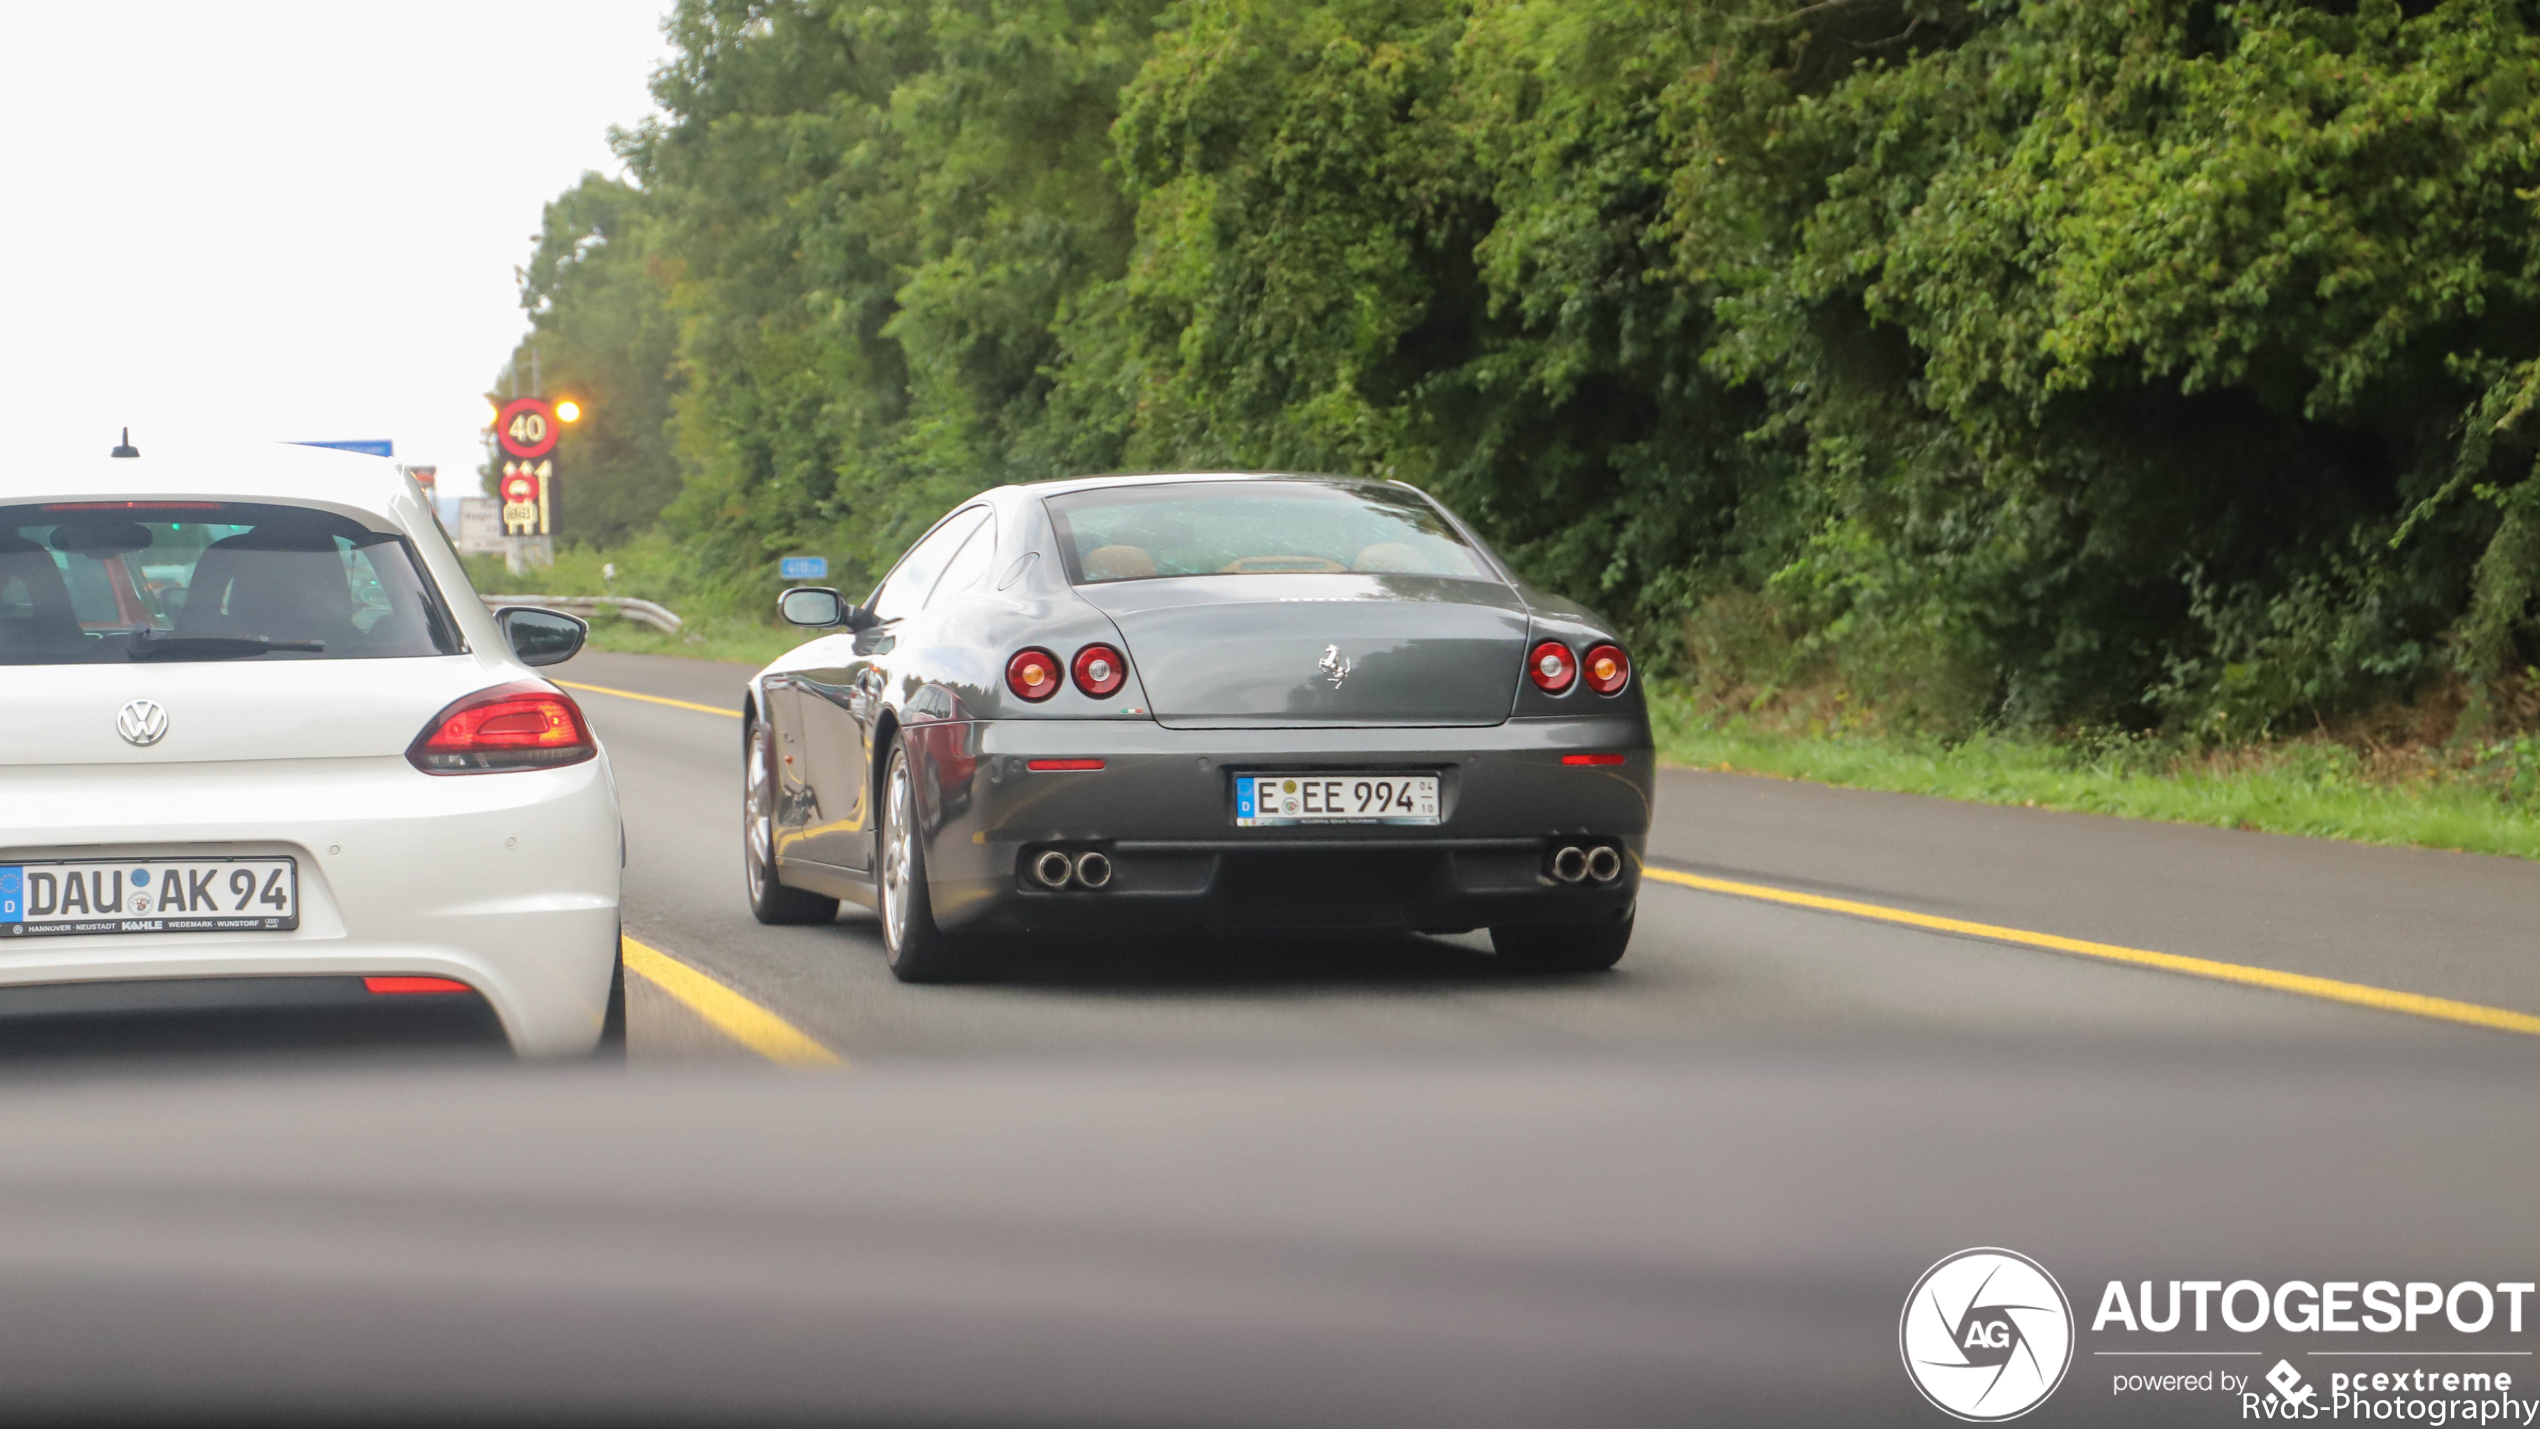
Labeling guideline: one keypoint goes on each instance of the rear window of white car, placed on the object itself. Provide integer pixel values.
(106, 582)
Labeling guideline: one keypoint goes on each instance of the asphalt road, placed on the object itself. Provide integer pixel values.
(1367, 1182)
(1706, 969)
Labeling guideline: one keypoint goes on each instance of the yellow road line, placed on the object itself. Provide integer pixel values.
(732, 1014)
(651, 699)
(2358, 994)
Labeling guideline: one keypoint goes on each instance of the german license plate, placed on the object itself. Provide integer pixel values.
(149, 895)
(1335, 799)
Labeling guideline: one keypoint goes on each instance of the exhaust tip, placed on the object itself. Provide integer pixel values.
(1603, 863)
(1093, 869)
(1052, 869)
(1569, 864)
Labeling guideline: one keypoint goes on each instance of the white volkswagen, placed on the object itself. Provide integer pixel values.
(262, 745)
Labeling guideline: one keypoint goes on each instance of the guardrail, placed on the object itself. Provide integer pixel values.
(586, 606)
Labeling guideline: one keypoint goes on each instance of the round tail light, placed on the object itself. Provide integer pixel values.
(1551, 667)
(1100, 670)
(1608, 669)
(1032, 675)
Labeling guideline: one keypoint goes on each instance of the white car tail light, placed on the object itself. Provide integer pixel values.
(525, 725)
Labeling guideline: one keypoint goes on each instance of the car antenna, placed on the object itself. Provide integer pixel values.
(127, 449)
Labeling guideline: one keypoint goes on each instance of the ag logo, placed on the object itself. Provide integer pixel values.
(1987, 1334)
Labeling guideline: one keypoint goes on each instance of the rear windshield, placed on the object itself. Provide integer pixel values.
(1128, 533)
(109, 582)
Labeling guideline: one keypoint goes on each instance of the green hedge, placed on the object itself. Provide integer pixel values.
(2012, 366)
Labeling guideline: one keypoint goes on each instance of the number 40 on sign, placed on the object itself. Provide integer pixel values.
(526, 428)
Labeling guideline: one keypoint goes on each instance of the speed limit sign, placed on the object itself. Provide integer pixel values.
(526, 427)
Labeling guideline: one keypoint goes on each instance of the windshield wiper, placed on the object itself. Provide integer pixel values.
(149, 645)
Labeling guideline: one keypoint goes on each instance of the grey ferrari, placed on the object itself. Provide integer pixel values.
(1199, 701)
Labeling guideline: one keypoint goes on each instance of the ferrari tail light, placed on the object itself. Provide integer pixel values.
(1032, 674)
(1100, 670)
(1551, 666)
(525, 725)
(1608, 669)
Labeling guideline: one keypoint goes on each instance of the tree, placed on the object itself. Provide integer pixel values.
(2012, 361)
(597, 295)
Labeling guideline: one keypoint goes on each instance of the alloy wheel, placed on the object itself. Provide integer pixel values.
(898, 839)
(757, 816)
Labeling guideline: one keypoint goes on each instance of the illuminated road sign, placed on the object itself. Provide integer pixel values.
(525, 497)
(526, 427)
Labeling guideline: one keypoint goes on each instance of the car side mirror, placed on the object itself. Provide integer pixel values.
(541, 637)
(821, 607)
(812, 605)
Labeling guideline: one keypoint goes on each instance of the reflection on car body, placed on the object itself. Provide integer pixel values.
(1098, 675)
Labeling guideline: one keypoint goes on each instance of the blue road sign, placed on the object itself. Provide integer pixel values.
(803, 568)
(381, 447)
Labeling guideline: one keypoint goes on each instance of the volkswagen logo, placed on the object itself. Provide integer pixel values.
(1987, 1334)
(142, 722)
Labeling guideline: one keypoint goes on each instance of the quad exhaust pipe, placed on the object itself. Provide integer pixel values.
(1054, 868)
(1601, 863)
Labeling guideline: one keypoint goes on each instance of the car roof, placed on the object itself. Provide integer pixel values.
(276, 472)
(1165, 478)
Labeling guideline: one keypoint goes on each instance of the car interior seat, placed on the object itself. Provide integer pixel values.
(1392, 558)
(278, 584)
(35, 602)
(1118, 563)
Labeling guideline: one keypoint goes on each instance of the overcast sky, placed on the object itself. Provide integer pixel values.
(286, 221)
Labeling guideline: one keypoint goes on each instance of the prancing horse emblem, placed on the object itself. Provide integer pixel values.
(1333, 665)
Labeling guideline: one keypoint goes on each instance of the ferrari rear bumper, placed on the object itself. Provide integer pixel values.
(1437, 886)
(1160, 810)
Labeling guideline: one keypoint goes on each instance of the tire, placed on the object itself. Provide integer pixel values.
(770, 901)
(612, 1044)
(1564, 947)
(918, 950)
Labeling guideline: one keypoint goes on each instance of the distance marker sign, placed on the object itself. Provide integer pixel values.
(526, 427)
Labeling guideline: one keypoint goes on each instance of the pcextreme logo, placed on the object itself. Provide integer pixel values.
(1987, 1334)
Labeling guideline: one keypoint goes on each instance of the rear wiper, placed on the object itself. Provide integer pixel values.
(148, 645)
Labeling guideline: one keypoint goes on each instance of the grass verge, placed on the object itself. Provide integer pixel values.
(2485, 800)
(704, 638)
(2319, 789)
(717, 620)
